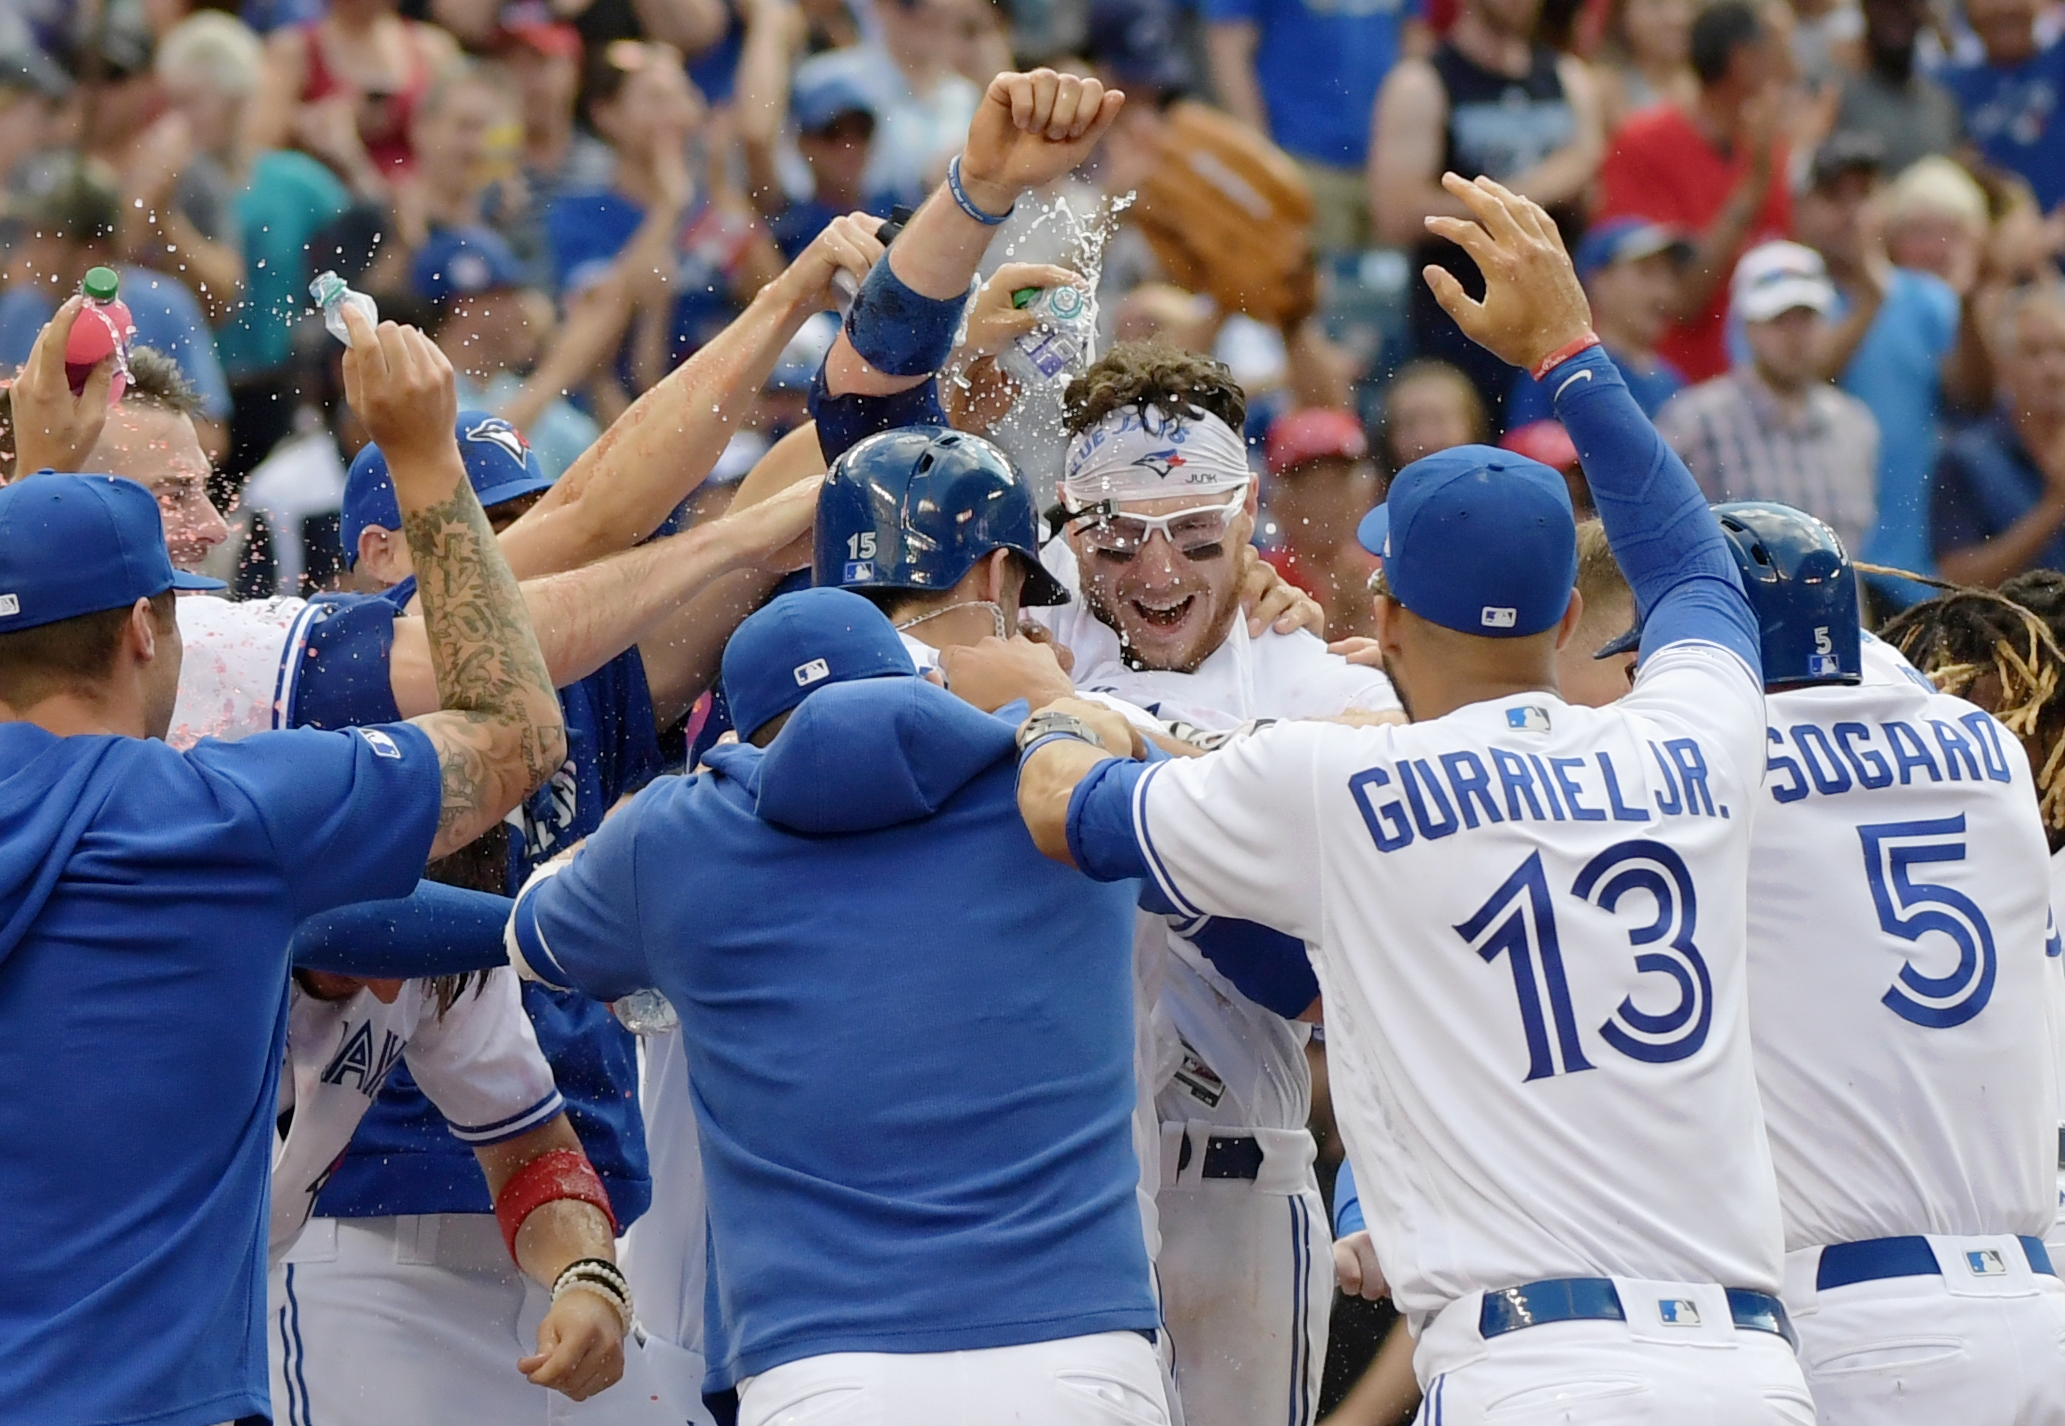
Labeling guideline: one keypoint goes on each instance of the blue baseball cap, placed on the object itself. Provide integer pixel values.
(1478, 540)
(79, 544)
(464, 262)
(802, 642)
(826, 87)
(1623, 240)
(499, 462)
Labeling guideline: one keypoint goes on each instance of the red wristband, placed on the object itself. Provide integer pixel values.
(1563, 354)
(552, 1175)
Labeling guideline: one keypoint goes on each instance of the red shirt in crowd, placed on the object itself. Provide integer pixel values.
(1661, 167)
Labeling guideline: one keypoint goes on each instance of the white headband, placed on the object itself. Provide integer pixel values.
(1141, 453)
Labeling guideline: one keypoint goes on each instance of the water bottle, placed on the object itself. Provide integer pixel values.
(646, 1012)
(332, 295)
(1061, 342)
(102, 328)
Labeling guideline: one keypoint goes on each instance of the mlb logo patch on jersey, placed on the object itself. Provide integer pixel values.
(1530, 719)
(1498, 617)
(1677, 1311)
(1986, 1262)
(382, 745)
(812, 672)
(859, 571)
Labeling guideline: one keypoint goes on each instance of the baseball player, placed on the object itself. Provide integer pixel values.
(1526, 917)
(151, 893)
(928, 1215)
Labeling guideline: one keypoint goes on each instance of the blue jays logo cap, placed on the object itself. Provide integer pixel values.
(78, 544)
(500, 464)
(1478, 540)
(464, 262)
(802, 642)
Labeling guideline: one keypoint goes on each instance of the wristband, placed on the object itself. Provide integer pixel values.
(552, 1175)
(1045, 738)
(1563, 354)
(899, 332)
(960, 195)
(601, 1277)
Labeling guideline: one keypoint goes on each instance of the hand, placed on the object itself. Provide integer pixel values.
(1763, 115)
(993, 672)
(993, 323)
(1271, 600)
(776, 533)
(54, 429)
(400, 385)
(1041, 634)
(1029, 130)
(161, 154)
(580, 1346)
(1355, 1264)
(1119, 737)
(1532, 302)
(1367, 653)
(1871, 245)
(848, 244)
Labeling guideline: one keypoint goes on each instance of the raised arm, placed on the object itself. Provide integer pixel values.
(498, 733)
(1534, 315)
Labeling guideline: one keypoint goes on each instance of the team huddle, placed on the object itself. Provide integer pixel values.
(917, 1031)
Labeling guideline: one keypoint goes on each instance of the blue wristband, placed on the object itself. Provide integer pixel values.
(899, 332)
(953, 186)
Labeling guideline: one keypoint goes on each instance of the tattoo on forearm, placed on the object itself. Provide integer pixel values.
(491, 678)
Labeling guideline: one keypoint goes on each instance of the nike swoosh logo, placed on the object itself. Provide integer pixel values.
(1575, 376)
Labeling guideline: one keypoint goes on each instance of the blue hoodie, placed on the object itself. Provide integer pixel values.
(910, 1035)
(146, 902)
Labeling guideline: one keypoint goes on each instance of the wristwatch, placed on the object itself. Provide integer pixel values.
(1054, 724)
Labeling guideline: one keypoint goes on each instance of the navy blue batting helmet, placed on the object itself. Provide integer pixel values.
(918, 507)
(1800, 582)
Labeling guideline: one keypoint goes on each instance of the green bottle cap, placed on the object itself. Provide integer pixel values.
(1023, 297)
(101, 284)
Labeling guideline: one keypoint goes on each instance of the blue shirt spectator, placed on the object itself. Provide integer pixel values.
(1986, 482)
(1315, 68)
(1898, 372)
(2011, 113)
(167, 316)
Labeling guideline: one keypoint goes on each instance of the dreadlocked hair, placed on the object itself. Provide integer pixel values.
(1959, 637)
(446, 989)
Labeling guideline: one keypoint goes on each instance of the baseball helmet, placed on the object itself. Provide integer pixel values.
(917, 507)
(1800, 582)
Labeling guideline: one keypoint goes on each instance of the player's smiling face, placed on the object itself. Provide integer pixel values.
(1173, 594)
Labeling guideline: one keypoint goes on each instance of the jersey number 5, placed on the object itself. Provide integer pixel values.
(1909, 909)
(1519, 922)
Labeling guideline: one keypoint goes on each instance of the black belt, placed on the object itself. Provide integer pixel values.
(1595, 1299)
(1226, 1156)
(1877, 1258)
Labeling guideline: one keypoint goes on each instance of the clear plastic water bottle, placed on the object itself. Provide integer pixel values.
(1061, 343)
(646, 1012)
(333, 295)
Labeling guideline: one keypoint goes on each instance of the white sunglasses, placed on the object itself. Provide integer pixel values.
(1119, 535)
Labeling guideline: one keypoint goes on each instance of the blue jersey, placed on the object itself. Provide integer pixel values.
(147, 898)
(2011, 113)
(403, 1158)
(910, 1034)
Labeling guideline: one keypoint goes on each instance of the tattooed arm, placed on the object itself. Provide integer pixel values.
(498, 731)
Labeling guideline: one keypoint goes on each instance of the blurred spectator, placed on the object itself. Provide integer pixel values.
(1825, 42)
(1629, 269)
(1910, 114)
(691, 26)
(492, 329)
(834, 124)
(1714, 171)
(346, 87)
(1998, 504)
(1321, 484)
(468, 139)
(1893, 347)
(1546, 441)
(296, 490)
(1492, 102)
(922, 105)
(1306, 74)
(71, 220)
(1774, 429)
(1936, 222)
(1429, 407)
(543, 57)
(2011, 97)
(689, 255)
(1646, 59)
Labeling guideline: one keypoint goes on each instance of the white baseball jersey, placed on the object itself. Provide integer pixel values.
(1899, 990)
(1527, 923)
(479, 1064)
(2056, 1235)
(234, 674)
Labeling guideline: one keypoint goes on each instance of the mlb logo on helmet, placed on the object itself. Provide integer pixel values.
(859, 571)
(1677, 1312)
(812, 672)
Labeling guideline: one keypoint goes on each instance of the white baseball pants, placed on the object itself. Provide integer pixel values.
(1108, 1379)
(419, 1320)
(1934, 1349)
(1247, 1279)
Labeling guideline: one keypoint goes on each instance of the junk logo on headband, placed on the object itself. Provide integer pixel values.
(1143, 452)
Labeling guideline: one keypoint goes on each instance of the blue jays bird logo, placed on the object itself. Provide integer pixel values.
(1164, 463)
(495, 431)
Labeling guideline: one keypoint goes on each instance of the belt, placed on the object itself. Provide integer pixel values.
(1226, 1156)
(1595, 1299)
(1876, 1258)
(2061, 1146)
